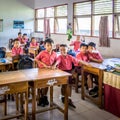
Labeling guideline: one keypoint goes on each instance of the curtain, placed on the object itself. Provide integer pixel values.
(47, 28)
(104, 32)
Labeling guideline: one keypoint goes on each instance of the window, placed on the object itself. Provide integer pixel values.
(57, 17)
(61, 19)
(82, 18)
(87, 17)
(117, 19)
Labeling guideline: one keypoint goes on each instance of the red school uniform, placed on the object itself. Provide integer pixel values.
(76, 45)
(46, 58)
(83, 57)
(34, 44)
(97, 55)
(17, 51)
(65, 62)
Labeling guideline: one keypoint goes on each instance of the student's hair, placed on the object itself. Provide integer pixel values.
(25, 34)
(48, 40)
(92, 44)
(16, 40)
(32, 38)
(63, 45)
(19, 33)
(83, 45)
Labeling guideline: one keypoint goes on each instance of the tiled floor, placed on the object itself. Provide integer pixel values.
(85, 110)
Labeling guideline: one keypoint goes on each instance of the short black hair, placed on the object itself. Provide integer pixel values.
(92, 44)
(25, 34)
(48, 40)
(32, 38)
(63, 45)
(19, 33)
(83, 45)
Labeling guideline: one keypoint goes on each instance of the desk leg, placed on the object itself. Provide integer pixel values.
(17, 103)
(83, 83)
(100, 81)
(66, 103)
(51, 96)
(33, 103)
(26, 106)
(5, 105)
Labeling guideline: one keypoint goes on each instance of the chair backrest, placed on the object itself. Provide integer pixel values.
(25, 62)
(11, 42)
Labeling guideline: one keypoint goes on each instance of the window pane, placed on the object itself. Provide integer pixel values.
(117, 6)
(40, 25)
(97, 22)
(40, 13)
(117, 26)
(52, 25)
(102, 6)
(82, 26)
(61, 25)
(83, 8)
(61, 10)
(50, 12)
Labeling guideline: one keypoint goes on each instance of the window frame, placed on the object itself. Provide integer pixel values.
(55, 17)
(92, 19)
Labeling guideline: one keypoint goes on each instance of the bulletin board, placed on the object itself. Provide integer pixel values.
(1, 25)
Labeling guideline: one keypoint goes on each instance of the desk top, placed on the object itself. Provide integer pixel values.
(30, 75)
(102, 66)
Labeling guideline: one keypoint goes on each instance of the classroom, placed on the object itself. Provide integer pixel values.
(59, 59)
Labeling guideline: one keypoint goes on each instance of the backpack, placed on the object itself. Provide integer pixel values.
(25, 62)
(2, 53)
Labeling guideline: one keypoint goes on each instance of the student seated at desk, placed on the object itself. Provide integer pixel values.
(83, 55)
(19, 36)
(46, 59)
(24, 39)
(64, 62)
(34, 43)
(94, 55)
(16, 52)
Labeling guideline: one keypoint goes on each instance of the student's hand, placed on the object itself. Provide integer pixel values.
(88, 64)
(54, 67)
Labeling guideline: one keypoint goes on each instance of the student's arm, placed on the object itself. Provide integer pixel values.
(58, 61)
(21, 51)
(72, 43)
(38, 61)
(96, 60)
(84, 63)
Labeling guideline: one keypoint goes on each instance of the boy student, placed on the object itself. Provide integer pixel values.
(64, 62)
(24, 39)
(76, 43)
(33, 43)
(17, 50)
(19, 36)
(46, 59)
(93, 54)
(83, 55)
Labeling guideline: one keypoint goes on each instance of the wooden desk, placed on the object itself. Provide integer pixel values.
(14, 82)
(43, 78)
(33, 51)
(96, 69)
(5, 66)
(9, 53)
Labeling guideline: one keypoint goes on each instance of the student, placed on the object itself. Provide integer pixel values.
(17, 50)
(19, 36)
(76, 43)
(64, 62)
(83, 55)
(94, 55)
(33, 43)
(46, 59)
(24, 39)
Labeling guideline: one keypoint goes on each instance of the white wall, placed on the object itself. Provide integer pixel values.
(11, 10)
(114, 49)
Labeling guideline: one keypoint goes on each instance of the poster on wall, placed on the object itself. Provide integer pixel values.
(1, 25)
(18, 24)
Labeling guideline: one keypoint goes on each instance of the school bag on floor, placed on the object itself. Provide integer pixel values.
(25, 62)
(2, 53)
